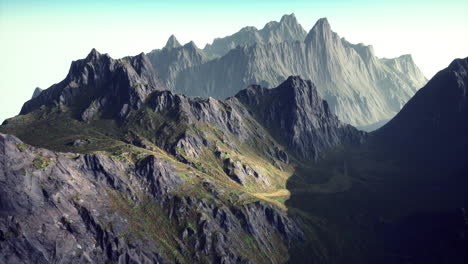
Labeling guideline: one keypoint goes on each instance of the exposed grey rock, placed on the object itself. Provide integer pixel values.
(159, 175)
(79, 142)
(282, 156)
(238, 172)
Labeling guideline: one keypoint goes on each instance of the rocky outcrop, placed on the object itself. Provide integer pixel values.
(295, 113)
(286, 30)
(101, 86)
(241, 173)
(158, 175)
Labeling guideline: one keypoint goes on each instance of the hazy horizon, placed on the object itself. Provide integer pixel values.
(40, 40)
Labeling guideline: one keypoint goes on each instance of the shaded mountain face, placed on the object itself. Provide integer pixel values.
(433, 125)
(400, 196)
(99, 85)
(286, 30)
(360, 88)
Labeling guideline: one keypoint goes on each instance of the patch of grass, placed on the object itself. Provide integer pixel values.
(41, 162)
(21, 147)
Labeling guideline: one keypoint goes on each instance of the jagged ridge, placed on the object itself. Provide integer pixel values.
(359, 87)
(100, 85)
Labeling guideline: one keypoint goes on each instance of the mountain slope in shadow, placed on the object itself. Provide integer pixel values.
(401, 196)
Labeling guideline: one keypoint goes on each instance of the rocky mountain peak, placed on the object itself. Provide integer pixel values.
(322, 24)
(191, 45)
(172, 42)
(93, 55)
(296, 83)
(321, 29)
(36, 92)
(294, 111)
(289, 19)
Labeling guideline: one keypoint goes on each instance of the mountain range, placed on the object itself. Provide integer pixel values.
(114, 165)
(362, 90)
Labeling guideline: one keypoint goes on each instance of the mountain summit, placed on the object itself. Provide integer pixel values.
(321, 28)
(100, 85)
(172, 42)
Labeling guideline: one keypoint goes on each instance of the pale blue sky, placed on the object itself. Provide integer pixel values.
(39, 39)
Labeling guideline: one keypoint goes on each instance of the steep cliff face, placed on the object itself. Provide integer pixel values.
(295, 113)
(286, 30)
(360, 88)
(99, 85)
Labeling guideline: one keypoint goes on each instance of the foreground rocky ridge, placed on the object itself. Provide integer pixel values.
(64, 207)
